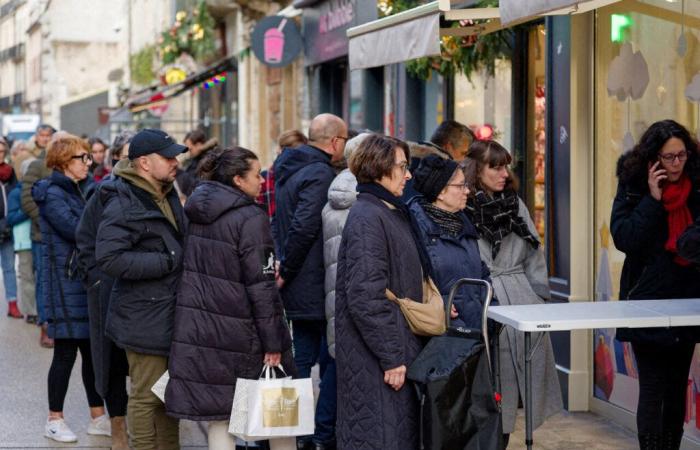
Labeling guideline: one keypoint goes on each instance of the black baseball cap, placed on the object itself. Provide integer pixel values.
(150, 140)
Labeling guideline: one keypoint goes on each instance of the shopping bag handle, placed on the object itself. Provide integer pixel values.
(269, 373)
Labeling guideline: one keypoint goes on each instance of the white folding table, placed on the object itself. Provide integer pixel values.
(589, 315)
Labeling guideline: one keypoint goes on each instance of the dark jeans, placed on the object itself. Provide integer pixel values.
(663, 381)
(310, 347)
(116, 398)
(64, 354)
(37, 249)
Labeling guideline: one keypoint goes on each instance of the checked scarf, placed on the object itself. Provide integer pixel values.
(496, 217)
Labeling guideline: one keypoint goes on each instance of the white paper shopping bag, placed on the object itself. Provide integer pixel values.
(161, 384)
(272, 407)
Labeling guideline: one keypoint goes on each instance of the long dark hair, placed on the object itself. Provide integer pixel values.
(633, 167)
(223, 165)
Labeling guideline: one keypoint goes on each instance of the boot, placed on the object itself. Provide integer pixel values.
(120, 441)
(13, 311)
(44, 339)
(649, 442)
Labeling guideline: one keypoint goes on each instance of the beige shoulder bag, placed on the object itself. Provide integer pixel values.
(426, 318)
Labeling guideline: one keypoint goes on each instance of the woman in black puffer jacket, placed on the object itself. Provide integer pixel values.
(229, 319)
(658, 196)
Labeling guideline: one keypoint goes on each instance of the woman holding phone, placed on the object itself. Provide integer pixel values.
(658, 196)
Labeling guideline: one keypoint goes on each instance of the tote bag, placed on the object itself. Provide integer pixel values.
(272, 407)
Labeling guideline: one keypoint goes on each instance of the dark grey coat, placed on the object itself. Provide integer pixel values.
(229, 313)
(377, 252)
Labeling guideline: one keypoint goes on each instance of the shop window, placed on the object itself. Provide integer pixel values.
(653, 28)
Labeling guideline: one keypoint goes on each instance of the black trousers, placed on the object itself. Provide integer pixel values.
(663, 381)
(117, 398)
(64, 353)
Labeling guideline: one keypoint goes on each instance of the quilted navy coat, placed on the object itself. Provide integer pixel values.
(377, 252)
(453, 258)
(302, 178)
(61, 202)
(228, 312)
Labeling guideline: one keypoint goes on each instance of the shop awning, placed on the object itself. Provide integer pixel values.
(407, 35)
(517, 11)
(158, 95)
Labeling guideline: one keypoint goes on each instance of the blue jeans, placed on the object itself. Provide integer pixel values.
(7, 259)
(37, 251)
(310, 347)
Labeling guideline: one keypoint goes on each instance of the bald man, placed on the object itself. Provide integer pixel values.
(303, 176)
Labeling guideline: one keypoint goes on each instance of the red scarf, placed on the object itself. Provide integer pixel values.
(675, 200)
(5, 172)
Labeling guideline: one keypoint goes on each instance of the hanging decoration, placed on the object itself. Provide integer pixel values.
(214, 81)
(692, 93)
(191, 34)
(682, 47)
(628, 78)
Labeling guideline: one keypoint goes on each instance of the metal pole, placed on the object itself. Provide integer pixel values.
(528, 393)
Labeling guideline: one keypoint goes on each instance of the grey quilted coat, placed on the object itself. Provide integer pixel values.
(341, 196)
(519, 276)
(377, 252)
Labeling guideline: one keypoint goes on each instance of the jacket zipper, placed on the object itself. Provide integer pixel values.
(639, 280)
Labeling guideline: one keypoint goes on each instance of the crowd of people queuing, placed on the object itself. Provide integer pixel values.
(148, 255)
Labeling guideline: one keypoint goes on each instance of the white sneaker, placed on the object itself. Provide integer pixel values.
(100, 426)
(59, 431)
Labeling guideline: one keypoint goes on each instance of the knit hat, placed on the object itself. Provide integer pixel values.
(432, 175)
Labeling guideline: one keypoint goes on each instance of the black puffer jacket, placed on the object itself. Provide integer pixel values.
(639, 227)
(302, 178)
(228, 313)
(97, 284)
(142, 250)
(377, 252)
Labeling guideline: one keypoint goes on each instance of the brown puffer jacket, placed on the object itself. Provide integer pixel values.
(228, 313)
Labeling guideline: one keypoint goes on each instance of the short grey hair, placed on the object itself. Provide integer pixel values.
(354, 143)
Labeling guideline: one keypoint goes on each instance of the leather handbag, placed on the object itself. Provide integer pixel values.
(426, 318)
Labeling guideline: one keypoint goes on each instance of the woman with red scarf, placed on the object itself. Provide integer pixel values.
(658, 196)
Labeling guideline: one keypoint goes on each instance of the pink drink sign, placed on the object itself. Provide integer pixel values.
(276, 41)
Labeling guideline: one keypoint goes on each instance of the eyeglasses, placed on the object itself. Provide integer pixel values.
(463, 186)
(345, 138)
(86, 158)
(671, 157)
(403, 166)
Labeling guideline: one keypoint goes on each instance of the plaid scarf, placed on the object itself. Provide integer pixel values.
(449, 223)
(496, 217)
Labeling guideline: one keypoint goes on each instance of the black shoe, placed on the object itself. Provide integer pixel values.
(304, 445)
(327, 446)
(31, 319)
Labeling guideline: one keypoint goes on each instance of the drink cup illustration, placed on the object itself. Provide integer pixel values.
(274, 43)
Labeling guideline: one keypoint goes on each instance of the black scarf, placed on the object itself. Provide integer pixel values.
(381, 193)
(495, 217)
(449, 223)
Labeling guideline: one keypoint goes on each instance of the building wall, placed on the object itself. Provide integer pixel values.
(12, 70)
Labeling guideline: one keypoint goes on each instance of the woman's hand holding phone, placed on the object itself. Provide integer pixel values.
(656, 178)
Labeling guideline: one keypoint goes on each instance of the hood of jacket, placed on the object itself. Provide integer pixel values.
(343, 191)
(211, 199)
(294, 159)
(125, 170)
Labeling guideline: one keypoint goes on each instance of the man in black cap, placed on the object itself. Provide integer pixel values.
(140, 243)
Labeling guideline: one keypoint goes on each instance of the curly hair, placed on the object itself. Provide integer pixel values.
(633, 167)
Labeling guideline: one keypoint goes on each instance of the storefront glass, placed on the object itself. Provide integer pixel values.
(653, 28)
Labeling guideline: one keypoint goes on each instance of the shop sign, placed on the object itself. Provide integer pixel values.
(326, 24)
(276, 41)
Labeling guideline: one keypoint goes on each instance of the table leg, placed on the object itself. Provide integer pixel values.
(528, 393)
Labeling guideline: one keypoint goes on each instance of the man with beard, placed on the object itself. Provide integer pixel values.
(140, 244)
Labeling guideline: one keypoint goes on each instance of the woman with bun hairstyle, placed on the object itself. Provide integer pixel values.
(658, 196)
(509, 245)
(229, 319)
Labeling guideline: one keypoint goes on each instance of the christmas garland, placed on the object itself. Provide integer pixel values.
(465, 55)
(192, 33)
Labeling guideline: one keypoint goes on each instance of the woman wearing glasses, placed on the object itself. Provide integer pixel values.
(509, 244)
(448, 236)
(657, 198)
(61, 200)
